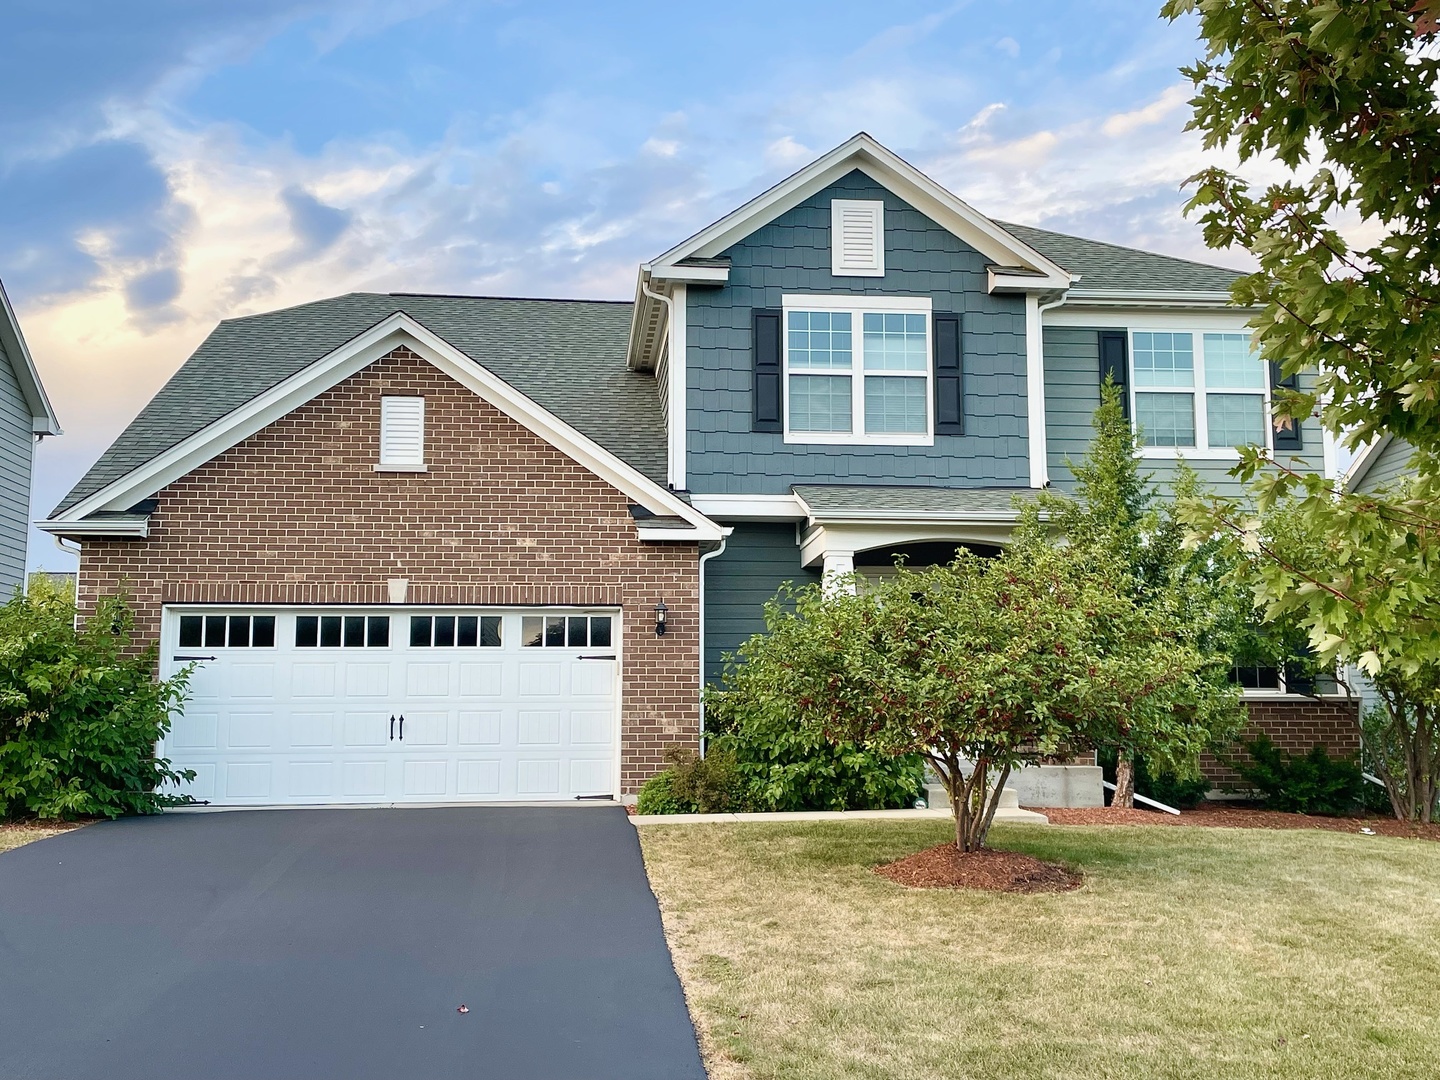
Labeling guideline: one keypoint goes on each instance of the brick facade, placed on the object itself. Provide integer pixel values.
(1295, 725)
(298, 514)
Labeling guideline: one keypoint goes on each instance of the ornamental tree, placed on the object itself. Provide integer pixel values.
(1115, 513)
(1351, 84)
(981, 666)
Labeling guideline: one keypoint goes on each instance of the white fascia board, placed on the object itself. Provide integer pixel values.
(352, 357)
(677, 422)
(890, 171)
(749, 507)
(97, 529)
(1078, 297)
(678, 534)
(1035, 393)
(914, 517)
(687, 275)
(42, 415)
(1361, 465)
(847, 539)
(1168, 316)
(1001, 282)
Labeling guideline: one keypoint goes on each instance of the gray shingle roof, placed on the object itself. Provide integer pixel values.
(1112, 268)
(566, 355)
(823, 499)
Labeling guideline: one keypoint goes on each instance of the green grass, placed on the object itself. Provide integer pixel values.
(1188, 952)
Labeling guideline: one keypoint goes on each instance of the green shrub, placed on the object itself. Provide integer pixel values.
(657, 796)
(1313, 784)
(80, 712)
(783, 766)
(693, 784)
(1183, 793)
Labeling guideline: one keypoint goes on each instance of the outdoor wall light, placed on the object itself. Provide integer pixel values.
(660, 610)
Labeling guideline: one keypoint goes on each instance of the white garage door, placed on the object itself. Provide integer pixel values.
(302, 705)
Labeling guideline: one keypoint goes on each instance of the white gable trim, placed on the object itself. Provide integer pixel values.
(891, 172)
(1363, 461)
(351, 358)
(42, 415)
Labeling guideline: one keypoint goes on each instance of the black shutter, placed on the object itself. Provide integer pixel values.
(767, 391)
(1114, 362)
(949, 376)
(1287, 437)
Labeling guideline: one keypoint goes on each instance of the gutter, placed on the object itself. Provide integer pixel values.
(706, 557)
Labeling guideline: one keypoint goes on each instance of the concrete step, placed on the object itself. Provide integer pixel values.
(937, 799)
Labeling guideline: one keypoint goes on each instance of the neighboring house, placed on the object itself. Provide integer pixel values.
(436, 548)
(25, 417)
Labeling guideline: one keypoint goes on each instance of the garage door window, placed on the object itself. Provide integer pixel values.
(227, 631)
(342, 631)
(460, 631)
(561, 631)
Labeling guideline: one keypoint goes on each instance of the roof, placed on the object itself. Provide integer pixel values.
(568, 356)
(12, 344)
(1110, 268)
(846, 500)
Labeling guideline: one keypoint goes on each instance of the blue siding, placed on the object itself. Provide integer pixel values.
(758, 559)
(16, 448)
(1072, 394)
(1393, 463)
(792, 254)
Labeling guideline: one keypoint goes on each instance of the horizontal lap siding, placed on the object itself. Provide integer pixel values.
(297, 514)
(1072, 394)
(792, 255)
(1393, 463)
(758, 559)
(17, 443)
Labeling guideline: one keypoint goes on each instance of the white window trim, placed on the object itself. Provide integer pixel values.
(876, 210)
(857, 306)
(1199, 391)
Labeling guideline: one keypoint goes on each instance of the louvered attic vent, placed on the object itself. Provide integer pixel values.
(402, 432)
(857, 238)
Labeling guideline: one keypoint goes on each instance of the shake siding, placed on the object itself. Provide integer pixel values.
(1392, 464)
(792, 255)
(17, 445)
(758, 559)
(1072, 394)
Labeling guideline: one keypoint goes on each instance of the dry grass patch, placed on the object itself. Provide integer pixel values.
(13, 834)
(1187, 953)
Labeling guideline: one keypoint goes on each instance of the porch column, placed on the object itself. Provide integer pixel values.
(837, 565)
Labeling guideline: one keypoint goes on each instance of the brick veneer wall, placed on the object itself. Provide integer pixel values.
(1295, 726)
(298, 514)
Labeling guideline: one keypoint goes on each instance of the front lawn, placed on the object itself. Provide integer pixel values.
(13, 834)
(1188, 952)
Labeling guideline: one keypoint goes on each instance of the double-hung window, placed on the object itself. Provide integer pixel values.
(858, 370)
(1198, 391)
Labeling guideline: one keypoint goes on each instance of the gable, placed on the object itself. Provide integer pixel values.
(286, 395)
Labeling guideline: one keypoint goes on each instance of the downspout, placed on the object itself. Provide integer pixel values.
(706, 557)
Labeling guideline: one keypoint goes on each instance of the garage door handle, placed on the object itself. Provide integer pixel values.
(607, 656)
(402, 727)
(392, 728)
(194, 658)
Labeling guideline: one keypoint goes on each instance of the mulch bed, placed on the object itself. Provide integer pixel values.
(1239, 817)
(945, 867)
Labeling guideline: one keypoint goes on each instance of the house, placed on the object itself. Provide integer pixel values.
(429, 548)
(25, 418)
(1381, 464)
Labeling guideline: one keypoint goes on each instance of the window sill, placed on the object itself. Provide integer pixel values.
(1190, 453)
(402, 468)
(821, 439)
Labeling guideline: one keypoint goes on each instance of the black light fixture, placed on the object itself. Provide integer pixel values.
(660, 610)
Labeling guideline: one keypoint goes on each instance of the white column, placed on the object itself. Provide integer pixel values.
(1035, 392)
(837, 565)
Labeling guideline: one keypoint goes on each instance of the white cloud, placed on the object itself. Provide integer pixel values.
(1162, 108)
(1009, 46)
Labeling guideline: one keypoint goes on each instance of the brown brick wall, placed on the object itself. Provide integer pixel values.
(1294, 726)
(298, 514)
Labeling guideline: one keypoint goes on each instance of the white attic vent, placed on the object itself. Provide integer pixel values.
(857, 238)
(402, 432)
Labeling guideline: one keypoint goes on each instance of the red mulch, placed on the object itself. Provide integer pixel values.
(1239, 817)
(945, 867)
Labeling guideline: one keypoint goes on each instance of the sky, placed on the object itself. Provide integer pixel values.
(166, 164)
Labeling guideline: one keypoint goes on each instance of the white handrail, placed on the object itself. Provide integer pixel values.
(1146, 800)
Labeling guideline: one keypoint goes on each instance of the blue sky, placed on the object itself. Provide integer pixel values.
(165, 164)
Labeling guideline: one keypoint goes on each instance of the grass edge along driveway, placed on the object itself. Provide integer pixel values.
(1189, 952)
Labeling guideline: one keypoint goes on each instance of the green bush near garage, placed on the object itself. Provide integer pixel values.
(80, 711)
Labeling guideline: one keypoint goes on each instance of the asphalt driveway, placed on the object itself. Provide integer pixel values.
(339, 943)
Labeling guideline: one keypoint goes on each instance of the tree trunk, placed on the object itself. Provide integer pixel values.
(973, 799)
(1124, 781)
